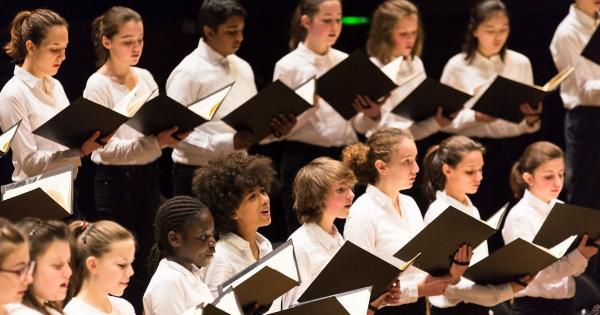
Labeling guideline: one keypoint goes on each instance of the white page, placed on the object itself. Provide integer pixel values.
(495, 220)
(355, 302)
(228, 303)
(6, 137)
(59, 187)
(207, 107)
(307, 91)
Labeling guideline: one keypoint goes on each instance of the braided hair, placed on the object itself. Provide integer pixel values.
(173, 215)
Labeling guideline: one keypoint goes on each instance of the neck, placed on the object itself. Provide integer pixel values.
(326, 222)
(2, 310)
(210, 44)
(94, 296)
(542, 198)
(117, 70)
(316, 47)
(186, 264)
(29, 67)
(589, 10)
(388, 188)
(461, 196)
(487, 54)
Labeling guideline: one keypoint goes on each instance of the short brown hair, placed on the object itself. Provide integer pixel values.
(360, 158)
(534, 155)
(10, 237)
(385, 18)
(313, 183)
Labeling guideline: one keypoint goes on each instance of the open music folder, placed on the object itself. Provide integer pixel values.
(277, 98)
(355, 75)
(565, 220)
(439, 240)
(354, 302)
(47, 196)
(340, 276)
(515, 260)
(162, 112)
(502, 97)
(278, 268)
(7, 137)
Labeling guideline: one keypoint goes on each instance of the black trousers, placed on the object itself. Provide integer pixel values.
(295, 156)
(540, 306)
(182, 179)
(417, 308)
(130, 195)
(460, 309)
(582, 127)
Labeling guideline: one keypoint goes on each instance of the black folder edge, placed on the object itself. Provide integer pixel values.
(52, 121)
(228, 86)
(587, 50)
(223, 287)
(555, 211)
(349, 243)
(354, 54)
(314, 77)
(15, 125)
(446, 212)
(333, 296)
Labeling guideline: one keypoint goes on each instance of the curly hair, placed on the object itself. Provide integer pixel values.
(222, 184)
(313, 183)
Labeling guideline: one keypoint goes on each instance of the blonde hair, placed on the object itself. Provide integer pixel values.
(385, 18)
(313, 183)
(361, 157)
(92, 239)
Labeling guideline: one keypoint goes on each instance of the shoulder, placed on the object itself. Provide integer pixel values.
(517, 58)
(241, 63)
(456, 61)
(121, 305)
(435, 209)
(338, 55)
(20, 309)
(13, 91)
(96, 81)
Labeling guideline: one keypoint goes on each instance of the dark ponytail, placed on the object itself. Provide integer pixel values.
(534, 155)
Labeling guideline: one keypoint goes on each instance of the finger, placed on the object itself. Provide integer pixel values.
(584, 240)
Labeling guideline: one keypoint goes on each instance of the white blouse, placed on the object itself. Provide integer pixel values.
(469, 77)
(77, 306)
(232, 255)
(571, 36)
(314, 248)
(465, 290)
(127, 146)
(174, 289)
(20, 309)
(199, 74)
(322, 125)
(555, 281)
(376, 226)
(23, 97)
(419, 130)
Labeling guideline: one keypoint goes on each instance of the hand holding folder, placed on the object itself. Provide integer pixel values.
(7, 137)
(48, 196)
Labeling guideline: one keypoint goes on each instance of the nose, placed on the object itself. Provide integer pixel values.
(415, 167)
(350, 194)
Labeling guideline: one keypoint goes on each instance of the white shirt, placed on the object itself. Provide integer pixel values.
(20, 309)
(77, 306)
(174, 289)
(465, 289)
(23, 97)
(376, 226)
(321, 125)
(571, 36)
(469, 77)
(232, 255)
(127, 146)
(419, 130)
(199, 74)
(555, 281)
(314, 248)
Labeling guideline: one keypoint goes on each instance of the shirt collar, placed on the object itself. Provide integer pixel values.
(32, 81)
(453, 202)
(584, 19)
(313, 56)
(241, 244)
(537, 203)
(380, 197)
(494, 62)
(328, 241)
(212, 55)
(189, 274)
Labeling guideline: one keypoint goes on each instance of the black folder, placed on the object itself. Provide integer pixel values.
(7, 137)
(517, 259)
(332, 305)
(441, 238)
(162, 113)
(73, 125)
(207, 309)
(46, 196)
(565, 220)
(339, 275)
(256, 114)
(355, 75)
(591, 51)
(503, 97)
(249, 285)
(430, 94)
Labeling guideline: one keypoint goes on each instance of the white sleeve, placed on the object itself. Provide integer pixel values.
(572, 264)
(32, 160)
(167, 299)
(467, 291)
(218, 272)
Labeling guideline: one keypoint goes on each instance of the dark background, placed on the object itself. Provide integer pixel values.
(171, 33)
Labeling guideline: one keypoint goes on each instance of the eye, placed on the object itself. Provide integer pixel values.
(123, 266)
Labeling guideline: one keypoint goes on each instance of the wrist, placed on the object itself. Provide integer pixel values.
(373, 307)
